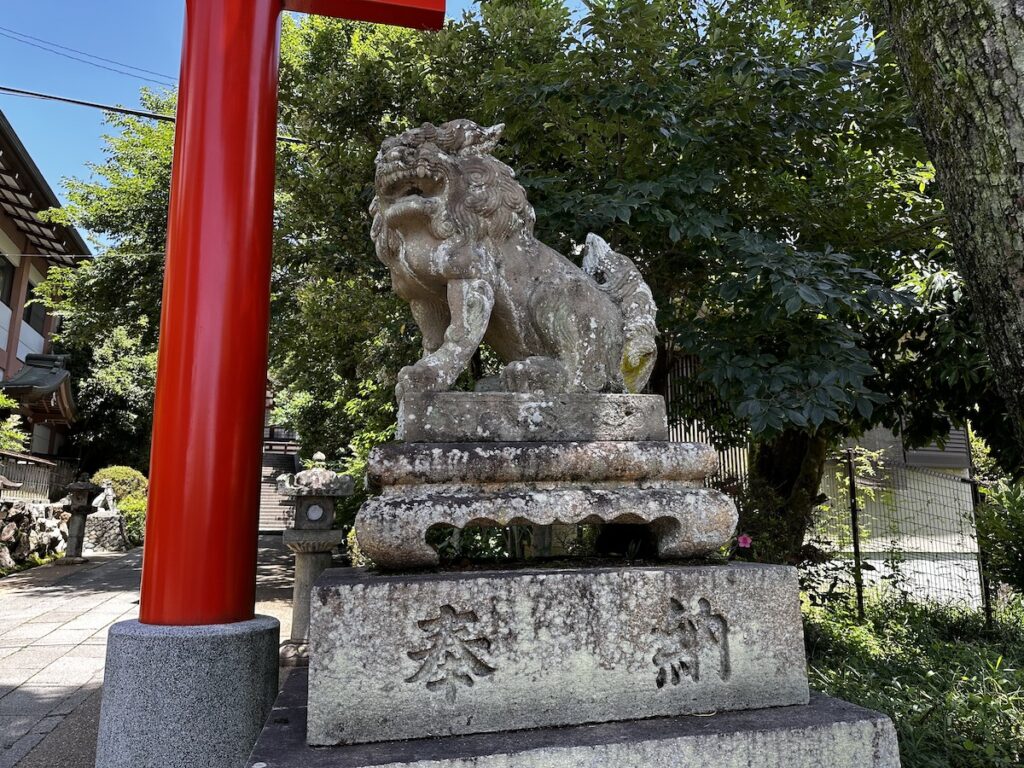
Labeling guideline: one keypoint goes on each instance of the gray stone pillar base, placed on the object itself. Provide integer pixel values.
(827, 733)
(186, 697)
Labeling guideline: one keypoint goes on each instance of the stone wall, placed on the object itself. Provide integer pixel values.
(28, 528)
(104, 532)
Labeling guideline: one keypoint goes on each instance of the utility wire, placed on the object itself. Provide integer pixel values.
(90, 55)
(109, 251)
(62, 255)
(5, 89)
(81, 103)
(86, 61)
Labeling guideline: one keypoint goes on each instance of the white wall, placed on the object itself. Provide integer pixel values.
(40, 439)
(5, 323)
(5, 311)
(6, 244)
(29, 342)
(35, 277)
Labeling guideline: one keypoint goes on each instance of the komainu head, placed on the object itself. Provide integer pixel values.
(445, 176)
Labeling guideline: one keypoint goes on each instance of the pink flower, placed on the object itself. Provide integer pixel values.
(744, 542)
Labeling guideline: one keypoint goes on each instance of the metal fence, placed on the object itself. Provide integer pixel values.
(40, 479)
(885, 524)
(901, 528)
(687, 396)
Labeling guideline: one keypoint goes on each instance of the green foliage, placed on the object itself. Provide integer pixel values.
(1000, 522)
(115, 396)
(110, 306)
(757, 504)
(355, 554)
(126, 482)
(13, 437)
(755, 159)
(131, 489)
(954, 690)
(986, 468)
(932, 363)
(134, 510)
(32, 561)
(757, 164)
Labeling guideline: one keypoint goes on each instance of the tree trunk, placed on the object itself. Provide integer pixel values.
(791, 465)
(963, 61)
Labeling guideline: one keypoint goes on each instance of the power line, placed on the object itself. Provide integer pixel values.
(5, 89)
(66, 255)
(86, 61)
(109, 251)
(81, 103)
(90, 55)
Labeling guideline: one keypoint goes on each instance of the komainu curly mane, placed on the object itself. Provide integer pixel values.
(456, 231)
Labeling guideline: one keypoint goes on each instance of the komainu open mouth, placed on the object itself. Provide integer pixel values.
(398, 182)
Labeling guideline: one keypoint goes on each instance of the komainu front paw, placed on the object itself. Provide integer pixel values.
(419, 378)
(535, 375)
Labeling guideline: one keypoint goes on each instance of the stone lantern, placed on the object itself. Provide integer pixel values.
(81, 492)
(314, 492)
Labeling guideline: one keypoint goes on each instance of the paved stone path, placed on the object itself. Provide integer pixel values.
(53, 638)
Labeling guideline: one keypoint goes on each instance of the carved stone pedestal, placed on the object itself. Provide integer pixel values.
(413, 656)
(503, 459)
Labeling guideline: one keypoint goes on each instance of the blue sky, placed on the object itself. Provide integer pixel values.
(147, 34)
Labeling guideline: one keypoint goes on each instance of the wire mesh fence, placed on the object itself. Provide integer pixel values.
(884, 523)
(907, 529)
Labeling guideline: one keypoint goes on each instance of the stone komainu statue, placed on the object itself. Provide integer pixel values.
(456, 230)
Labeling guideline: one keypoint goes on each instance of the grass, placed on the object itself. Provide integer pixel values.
(954, 689)
(32, 561)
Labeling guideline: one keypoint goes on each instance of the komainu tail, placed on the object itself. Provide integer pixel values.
(621, 280)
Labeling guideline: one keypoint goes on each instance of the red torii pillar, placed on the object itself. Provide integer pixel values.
(192, 682)
(200, 555)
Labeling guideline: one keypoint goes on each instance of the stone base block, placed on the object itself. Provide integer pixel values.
(408, 656)
(659, 484)
(186, 697)
(827, 733)
(480, 417)
(561, 463)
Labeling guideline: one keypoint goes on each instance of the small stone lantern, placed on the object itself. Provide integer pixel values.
(81, 493)
(315, 492)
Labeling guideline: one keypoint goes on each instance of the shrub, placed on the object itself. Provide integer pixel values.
(1001, 533)
(954, 691)
(134, 510)
(127, 482)
(355, 554)
(13, 436)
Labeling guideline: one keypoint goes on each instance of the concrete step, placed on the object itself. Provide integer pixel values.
(276, 511)
(825, 732)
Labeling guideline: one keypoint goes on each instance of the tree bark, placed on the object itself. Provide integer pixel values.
(963, 61)
(791, 465)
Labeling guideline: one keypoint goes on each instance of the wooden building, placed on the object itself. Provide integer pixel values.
(29, 247)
